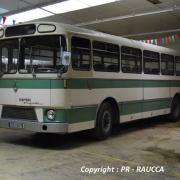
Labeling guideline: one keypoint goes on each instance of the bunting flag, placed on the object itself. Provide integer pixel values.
(178, 35)
(159, 40)
(4, 19)
(0, 19)
(14, 22)
(167, 40)
(162, 40)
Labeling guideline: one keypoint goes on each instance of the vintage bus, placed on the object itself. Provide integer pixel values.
(57, 78)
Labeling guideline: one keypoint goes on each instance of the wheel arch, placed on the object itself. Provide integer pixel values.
(175, 108)
(177, 95)
(115, 106)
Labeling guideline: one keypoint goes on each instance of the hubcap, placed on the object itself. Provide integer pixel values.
(176, 110)
(106, 123)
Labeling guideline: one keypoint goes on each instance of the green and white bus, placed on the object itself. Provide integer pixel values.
(57, 78)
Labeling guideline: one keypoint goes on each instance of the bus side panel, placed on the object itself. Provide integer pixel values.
(156, 98)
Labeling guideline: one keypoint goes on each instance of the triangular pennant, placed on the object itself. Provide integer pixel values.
(167, 40)
(178, 35)
(159, 40)
(1, 18)
(4, 19)
(14, 22)
(170, 38)
(163, 40)
(156, 41)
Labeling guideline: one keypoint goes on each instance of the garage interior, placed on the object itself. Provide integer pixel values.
(150, 142)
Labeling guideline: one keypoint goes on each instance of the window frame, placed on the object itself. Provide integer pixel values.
(175, 69)
(90, 59)
(141, 63)
(9, 56)
(168, 61)
(22, 55)
(118, 54)
(159, 62)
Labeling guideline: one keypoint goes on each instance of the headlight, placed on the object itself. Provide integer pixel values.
(51, 115)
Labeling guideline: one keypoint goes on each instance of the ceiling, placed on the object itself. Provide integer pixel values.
(13, 6)
(137, 19)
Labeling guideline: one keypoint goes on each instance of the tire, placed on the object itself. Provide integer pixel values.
(175, 109)
(104, 122)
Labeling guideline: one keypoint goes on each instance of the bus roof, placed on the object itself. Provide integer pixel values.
(62, 28)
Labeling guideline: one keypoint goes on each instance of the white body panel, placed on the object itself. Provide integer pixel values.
(38, 97)
(7, 96)
(156, 93)
(81, 97)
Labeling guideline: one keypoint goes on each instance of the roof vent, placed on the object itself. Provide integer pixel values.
(155, 1)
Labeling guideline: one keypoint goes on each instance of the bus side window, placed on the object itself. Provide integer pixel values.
(151, 62)
(167, 64)
(177, 65)
(131, 60)
(81, 53)
(105, 57)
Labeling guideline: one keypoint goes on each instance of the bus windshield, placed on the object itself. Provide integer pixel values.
(9, 50)
(35, 54)
(41, 54)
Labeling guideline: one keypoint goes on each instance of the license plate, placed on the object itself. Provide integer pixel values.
(16, 125)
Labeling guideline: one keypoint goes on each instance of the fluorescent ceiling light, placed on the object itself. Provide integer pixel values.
(27, 16)
(96, 2)
(3, 10)
(57, 8)
(72, 5)
(66, 6)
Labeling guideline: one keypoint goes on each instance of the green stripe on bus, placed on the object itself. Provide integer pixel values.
(6, 83)
(85, 83)
(57, 84)
(25, 84)
(144, 106)
(156, 83)
(156, 104)
(175, 83)
(82, 114)
(122, 83)
(103, 83)
(130, 108)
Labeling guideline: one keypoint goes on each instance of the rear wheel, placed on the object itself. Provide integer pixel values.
(175, 109)
(104, 121)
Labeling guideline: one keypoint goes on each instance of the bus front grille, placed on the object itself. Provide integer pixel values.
(19, 113)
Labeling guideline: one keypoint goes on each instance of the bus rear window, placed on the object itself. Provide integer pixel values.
(151, 62)
(20, 30)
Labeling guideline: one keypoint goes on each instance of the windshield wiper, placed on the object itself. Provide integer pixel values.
(45, 69)
(60, 71)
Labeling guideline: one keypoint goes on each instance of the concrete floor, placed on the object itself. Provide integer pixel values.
(152, 142)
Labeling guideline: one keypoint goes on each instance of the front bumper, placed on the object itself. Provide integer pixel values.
(34, 126)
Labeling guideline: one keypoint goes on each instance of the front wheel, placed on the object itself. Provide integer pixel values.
(104, 121)
(175, 109)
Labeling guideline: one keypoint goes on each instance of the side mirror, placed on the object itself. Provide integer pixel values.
(66, 58)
